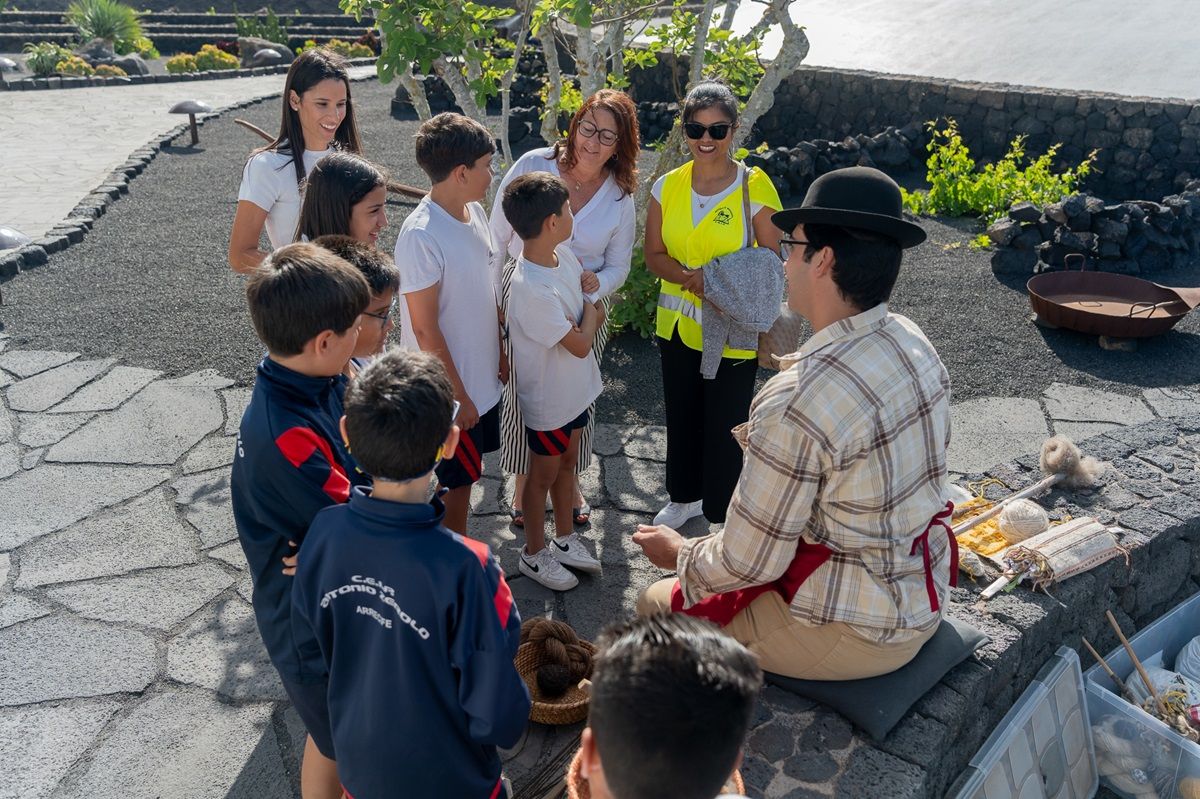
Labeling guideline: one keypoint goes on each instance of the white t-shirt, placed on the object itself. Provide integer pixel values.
(269, 181)
(702, 204)
(603, 234)
(553, 386)
(435, 248)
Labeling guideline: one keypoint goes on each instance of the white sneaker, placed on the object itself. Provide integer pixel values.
(541, 567)
(675, 514)
(569, 551)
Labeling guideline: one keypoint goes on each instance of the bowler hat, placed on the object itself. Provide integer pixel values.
(855, 197)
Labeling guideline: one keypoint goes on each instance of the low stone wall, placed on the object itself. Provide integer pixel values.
(1129, 237)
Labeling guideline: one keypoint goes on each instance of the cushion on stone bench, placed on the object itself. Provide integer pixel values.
(876, 704)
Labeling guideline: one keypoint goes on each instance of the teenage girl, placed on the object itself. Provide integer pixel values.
(318, 117)
(345, 196)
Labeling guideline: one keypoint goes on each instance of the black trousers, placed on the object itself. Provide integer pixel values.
(703, 459)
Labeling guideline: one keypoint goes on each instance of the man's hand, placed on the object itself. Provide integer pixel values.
(503, 366)
(468, 414)
(660, 543)
(289, 561)
(589, 282)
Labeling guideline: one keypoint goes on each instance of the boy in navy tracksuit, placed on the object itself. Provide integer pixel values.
(415, 622)
(306, 304)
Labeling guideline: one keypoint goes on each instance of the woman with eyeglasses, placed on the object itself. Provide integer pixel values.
(695, 215)
(598, 161)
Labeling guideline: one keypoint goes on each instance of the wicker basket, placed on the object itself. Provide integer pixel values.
(579, 788)
(566, 709)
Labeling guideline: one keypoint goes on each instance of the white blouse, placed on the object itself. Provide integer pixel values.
(603, 234)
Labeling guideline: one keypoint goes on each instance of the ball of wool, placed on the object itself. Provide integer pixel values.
(553, 680)
(1022, 519)
(1189, 788)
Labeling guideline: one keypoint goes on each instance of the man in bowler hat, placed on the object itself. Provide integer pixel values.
(836, 559)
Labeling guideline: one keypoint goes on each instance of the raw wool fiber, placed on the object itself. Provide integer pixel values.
(1060, 456)
(1124, 758)
(1187, 662)
(1021, 520)
(568, 661)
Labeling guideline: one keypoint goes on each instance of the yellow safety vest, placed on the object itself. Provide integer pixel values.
(720, 232)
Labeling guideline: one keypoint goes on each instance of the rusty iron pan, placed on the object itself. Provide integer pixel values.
(1107, 304)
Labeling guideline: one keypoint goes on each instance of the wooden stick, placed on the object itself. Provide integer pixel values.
(392, 186)
(1137, 664)
(1128, 694)
(994, 511)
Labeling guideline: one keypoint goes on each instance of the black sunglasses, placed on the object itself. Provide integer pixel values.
(694, 130)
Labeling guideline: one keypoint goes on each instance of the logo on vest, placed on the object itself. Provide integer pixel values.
(723, 217)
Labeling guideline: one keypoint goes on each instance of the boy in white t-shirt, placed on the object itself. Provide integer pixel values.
(444, 256)
(552, 326)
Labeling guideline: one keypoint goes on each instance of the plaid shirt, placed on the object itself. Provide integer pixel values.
(846, 448)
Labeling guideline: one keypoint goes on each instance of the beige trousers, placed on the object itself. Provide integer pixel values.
(785, 646)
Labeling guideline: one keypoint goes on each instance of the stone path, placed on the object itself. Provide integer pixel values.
(130, 665)
(60, 145)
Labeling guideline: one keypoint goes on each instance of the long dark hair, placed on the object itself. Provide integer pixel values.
(336, 184)
(310, 68)
(623, 162)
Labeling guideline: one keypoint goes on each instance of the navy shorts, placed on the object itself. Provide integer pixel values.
(311, 701)
(554, 442)
(466, 466)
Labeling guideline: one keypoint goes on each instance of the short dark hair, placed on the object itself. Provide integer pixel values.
(337, 183)
(530, 199)
(710, 94)
(376, 266)
(398, 411)
(300, 291)
(866, 264)
(672, 698)
(451, 140)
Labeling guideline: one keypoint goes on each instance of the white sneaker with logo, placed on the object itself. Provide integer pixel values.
(675, 514)
(542, 567)
(569, 551)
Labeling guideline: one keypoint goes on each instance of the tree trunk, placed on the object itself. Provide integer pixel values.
(731, 7)
(670, 155)
(452, 73)
(703, 23)
(553, 82)
(506, 86)
(416, 92)
(792, 52)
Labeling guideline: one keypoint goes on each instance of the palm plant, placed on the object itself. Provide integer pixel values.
(110, 20)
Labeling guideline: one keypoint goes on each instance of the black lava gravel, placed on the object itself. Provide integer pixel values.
(150, 285)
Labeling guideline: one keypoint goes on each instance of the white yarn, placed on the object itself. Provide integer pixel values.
(1163, 681)
(1022, 519)
(1187, 662)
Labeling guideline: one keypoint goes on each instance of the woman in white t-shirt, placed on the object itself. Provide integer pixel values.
(598, 162)
(318, 117)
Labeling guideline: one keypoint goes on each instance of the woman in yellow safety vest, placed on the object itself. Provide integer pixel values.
(695, 215)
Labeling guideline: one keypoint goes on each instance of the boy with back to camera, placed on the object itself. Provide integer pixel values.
(306, 305)
(414, 621)
(444, 256)
(672, 699)
(552, 327)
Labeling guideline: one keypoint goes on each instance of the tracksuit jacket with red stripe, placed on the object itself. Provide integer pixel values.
(290, 464)
(418, 630)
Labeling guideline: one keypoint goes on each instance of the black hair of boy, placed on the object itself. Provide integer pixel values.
(300, 291)
(865, 264)
(376, 266)
(672, 699)
(530, 199)
(398, 412)
(451, 140)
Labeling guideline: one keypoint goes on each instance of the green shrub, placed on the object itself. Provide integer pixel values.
(956, 189)
(110, 20)
(339, 46)
(210, 58)
(43, 57)
(638, 300)
(141, 45)
(272, 28)
(109, 71)
(74, 66)
(184, 62)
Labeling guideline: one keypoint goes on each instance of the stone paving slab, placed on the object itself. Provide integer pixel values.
(158, 598)
(109, 391)
(990, 430)
(41, 743)
(1171, 402)
(48, 388)
(10, 460)
(27, 363)
(1081, 404)
(43, 429)
(224, 653)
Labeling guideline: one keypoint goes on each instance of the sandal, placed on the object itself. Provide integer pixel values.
(582, 515)
(518, 517)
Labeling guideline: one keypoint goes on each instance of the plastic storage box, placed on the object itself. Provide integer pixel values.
(1042, 749)
(1169, 758)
